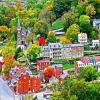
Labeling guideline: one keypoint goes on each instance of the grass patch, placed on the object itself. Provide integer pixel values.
(2, 46)
(65, 60)
(68, 66)
(91, 54)
(57, 24)
(29, 97)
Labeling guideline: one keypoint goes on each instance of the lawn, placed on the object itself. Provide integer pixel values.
(29, 97)
(2, 46)
(91, 54)
(57, 24)
(68, 66)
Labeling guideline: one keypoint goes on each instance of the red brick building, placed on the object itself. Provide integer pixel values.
(59, 70)
(26, 84)
(42, 64)
(23, 81)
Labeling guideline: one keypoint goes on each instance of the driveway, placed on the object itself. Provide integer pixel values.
(5, 92)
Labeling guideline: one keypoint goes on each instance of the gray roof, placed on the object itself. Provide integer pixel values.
(57, 65)
(63, 76)
(97, 21)
(59, 45)
(45, 48)
(53, 78)
(55, 45)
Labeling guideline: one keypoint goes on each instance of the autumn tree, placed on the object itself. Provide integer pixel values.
(10, 12)
(48, 16)
(68, 41)
(9, 62)
(4, 32)
(33, 51)
(63, 40)
(90, 10)
(41, 28)
(18, 5)
(51, 37)
(8, 50)
(48, 73)
(72, 32)
(69, 19)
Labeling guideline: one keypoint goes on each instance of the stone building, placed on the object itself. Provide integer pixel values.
(60, 51)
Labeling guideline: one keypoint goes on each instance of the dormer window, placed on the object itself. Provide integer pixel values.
(54, 45)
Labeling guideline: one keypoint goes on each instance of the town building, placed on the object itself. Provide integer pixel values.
(21, 35)
(60, 51)
(95, 42)
(87, 61)
(22, 81)
(96, 22)
(42, 64)
(82, 38)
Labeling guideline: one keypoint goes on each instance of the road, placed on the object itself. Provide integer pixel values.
(5, 92)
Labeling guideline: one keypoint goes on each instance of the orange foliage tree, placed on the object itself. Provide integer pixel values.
(9, 62)
(49, 72)
(68, 41)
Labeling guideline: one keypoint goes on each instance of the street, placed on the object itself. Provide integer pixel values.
(5, 92)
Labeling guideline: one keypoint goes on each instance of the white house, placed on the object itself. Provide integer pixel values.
(82, 38)
(95, 42)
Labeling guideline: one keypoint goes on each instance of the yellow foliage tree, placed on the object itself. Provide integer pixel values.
(9, 62)
(63, 40)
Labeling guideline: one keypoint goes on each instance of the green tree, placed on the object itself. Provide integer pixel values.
(57, 96)
(79, 10)
(85, 25)
(88, 73)
(80, 89)
(69, 19)
(3, 20)
(94, 33)
(33, 51)
(18, 53)
(61, 6)
(51, 37)
(72, 32)
(41, 28)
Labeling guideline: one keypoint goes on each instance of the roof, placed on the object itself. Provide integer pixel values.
(79, 62)
(57, 65)
(96, 21)
(53, 78)
(63, 76)
(55, 45)
(95, 40)
(59, 45)
(44, 60)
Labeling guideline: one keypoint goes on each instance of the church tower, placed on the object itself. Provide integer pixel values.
(20, 35)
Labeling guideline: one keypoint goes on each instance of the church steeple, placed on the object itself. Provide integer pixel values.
(18, 26)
